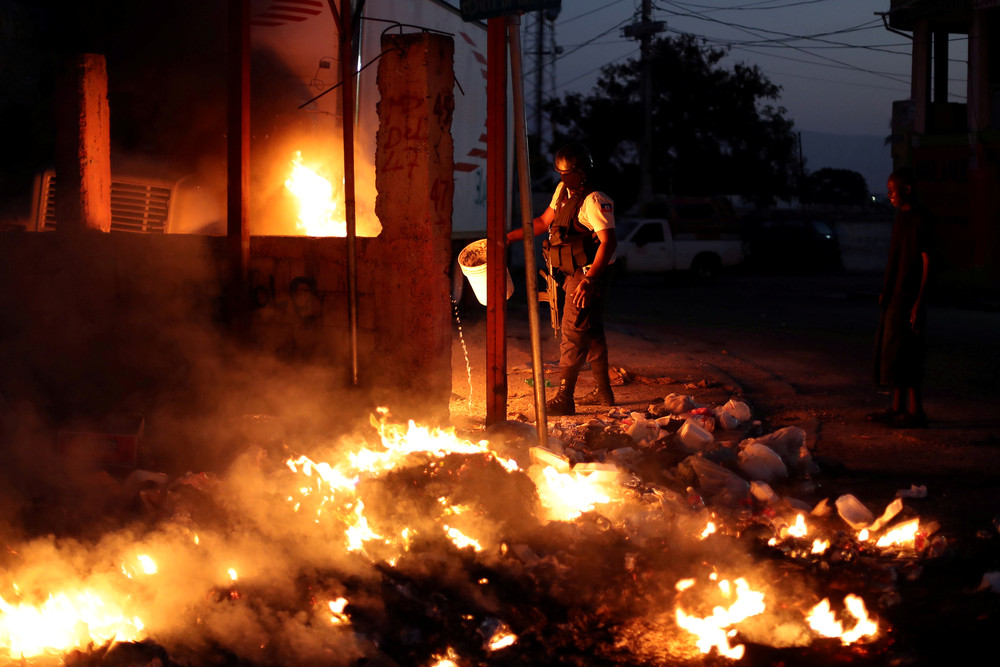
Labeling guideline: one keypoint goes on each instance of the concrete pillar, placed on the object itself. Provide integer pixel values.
(414, 177)
(83, 145)
(978, 85)
(940, 59)
(920, 75)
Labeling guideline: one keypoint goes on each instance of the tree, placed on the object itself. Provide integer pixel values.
(715, 130)
(835, 186)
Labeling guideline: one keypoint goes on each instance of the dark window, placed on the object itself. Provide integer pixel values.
(651, 232)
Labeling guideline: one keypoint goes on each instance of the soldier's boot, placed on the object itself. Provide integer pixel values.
(602, 394)
(599, 396)
(561, 404)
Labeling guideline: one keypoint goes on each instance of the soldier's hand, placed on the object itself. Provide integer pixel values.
(581, 295)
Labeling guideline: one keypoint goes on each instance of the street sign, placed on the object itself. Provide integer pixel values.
(475, 10)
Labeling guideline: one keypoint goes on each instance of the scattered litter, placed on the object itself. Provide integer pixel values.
(760, 462)
(822, 508)
(619, 376)
(717, 481)
(643, 430)
(679, 403)
(545, 457)
(763, 492)
(790, 444)
(894, 508)
(854, 512)
(602, 472)
(990, 582)
(737, 409)
(693, 437)
(726, 420)
(913, 492)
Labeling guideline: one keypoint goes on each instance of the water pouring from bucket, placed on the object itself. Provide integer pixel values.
(472, 259)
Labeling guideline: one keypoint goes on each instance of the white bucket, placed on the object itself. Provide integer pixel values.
(473, 262)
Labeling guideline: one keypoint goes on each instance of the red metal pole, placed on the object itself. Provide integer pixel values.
(238, 158)
(496, 207)
(348, 82)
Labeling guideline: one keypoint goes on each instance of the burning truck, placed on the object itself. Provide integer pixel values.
(669, 536)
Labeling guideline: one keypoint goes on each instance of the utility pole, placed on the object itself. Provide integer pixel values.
(644, 31)
(539, 27)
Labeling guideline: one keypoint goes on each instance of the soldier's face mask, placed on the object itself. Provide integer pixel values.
(572, 179)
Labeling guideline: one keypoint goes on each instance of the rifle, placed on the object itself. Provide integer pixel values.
(551, 295)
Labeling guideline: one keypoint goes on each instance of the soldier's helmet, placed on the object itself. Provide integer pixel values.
(574, 157)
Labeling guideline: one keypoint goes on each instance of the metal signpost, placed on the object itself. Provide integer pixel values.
(476, 10)
(495, 11)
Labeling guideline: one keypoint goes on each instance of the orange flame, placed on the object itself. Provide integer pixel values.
(566, 496)
(65, 621)
(903, 534)
(823, 621)
(317, 206)
(714, 630)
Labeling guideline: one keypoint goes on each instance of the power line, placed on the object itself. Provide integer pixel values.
(608, 5)
(753, 6)
(756, 32)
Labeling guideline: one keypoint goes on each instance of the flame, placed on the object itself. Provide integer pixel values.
(331, 489)
(823, 621)
(461, 541)
(904, 534)
(709, 529)
(65, 621)
(714, 630)
(566, 496)
(337, 614)
(449, 659)
(502, 638)
(799, 529)
(148, 565)
(328, 496)
(360, 532)
(316, 202)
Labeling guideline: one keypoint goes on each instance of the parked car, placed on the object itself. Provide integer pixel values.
(791, 243)
(651, 245)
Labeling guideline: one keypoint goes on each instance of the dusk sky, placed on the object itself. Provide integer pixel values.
(839, 68)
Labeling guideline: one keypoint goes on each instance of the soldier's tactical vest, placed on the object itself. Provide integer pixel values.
(570, 245)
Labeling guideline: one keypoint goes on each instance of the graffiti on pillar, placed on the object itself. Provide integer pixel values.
(299, 301)
(405, 125)
(442, 191)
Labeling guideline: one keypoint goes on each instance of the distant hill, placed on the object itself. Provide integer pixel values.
(866, 154)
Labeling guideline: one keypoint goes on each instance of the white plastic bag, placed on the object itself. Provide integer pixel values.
(760, 462)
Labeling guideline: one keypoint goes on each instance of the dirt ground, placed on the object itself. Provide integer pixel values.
(793, 372)
(956, 458)
(941, 613)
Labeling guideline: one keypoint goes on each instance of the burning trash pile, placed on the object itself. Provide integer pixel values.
(632, 539)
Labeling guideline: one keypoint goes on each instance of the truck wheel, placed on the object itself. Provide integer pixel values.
(706, 268)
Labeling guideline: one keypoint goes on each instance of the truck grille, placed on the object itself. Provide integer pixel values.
(135, 206)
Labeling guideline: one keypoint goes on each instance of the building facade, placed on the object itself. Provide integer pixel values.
(954, 146)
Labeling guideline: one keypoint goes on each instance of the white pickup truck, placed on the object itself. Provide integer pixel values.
(650, 245)
(671, 241)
